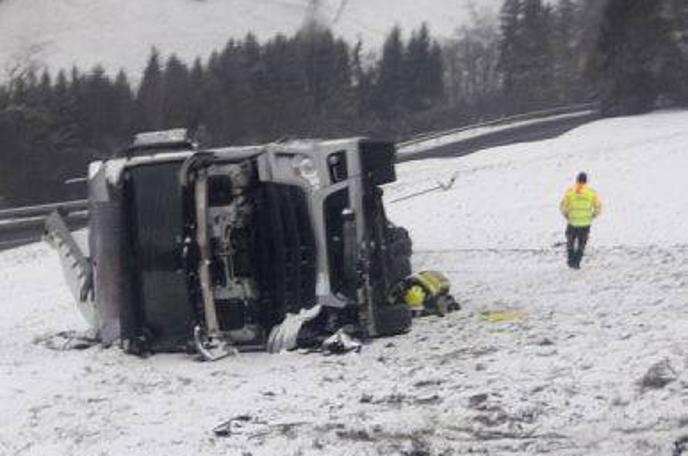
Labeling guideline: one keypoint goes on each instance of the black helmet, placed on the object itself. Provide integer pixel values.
(582, 178)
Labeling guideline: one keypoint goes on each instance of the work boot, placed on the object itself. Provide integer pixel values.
(578, 257)
(571, 261)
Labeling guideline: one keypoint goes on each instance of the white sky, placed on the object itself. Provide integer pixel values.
(120, 33)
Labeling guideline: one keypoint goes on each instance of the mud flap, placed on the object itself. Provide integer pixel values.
(77, 269)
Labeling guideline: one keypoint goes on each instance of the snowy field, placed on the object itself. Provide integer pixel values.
(568, 375)
(120, 33)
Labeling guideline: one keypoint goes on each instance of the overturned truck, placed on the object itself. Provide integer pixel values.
(261, 247)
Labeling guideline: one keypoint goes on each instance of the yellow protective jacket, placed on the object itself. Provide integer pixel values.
(581, 205)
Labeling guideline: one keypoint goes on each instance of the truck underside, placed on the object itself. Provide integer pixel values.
(225, 248)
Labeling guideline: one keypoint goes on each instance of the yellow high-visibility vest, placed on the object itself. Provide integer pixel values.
(581, 205)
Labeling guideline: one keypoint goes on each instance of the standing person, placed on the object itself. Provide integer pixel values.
(581, 205)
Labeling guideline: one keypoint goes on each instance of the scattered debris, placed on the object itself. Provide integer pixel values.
(503, 322)
(443, 186)
(341, 342)
(551, 352)
(398, 399)
(285, 336)
(251, 427)
(477, 400)
(357, 435)
(428, 383)
(209, 350)
(419, 447)
(680, 446)
(230, 426)
(68, 340)
(493, 417)
(658, 376)
(428, 400)
(545, 342)
(394, 398)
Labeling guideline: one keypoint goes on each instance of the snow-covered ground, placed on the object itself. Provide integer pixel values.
(564, 378)
(120, 33)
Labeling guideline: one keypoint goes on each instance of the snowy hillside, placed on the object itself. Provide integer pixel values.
(568, 374)
(120, 33)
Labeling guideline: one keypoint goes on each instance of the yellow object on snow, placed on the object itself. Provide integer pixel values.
(415, 297)
(503, 317)
(426, 293)
(435, 282)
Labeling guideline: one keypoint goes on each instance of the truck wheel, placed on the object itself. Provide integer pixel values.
(393, 319)
(399, 253)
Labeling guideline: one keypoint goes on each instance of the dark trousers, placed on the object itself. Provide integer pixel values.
(576, 238)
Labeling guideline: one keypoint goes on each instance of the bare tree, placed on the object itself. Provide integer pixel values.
(22, 64)
(471, 58)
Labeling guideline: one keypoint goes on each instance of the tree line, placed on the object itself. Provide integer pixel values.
(627, 54)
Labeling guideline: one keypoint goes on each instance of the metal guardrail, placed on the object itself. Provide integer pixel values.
(23, 225)
(20, 231)
(30, 223)
(43, 210)
(502, 120)
(531, 127)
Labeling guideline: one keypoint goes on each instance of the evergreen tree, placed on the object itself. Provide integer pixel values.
(363, 83)
(32, 150)
(97, 111)
(416, 65)
(64, 110)
(44, 90)
(124, 109)
(423, 71)
(327, 74)
(676, 13)
(149, 100)
(510, 50)
(196, 120)
(537, 69)
(253, 90)
(285, 89)
(4, 98)
(434, 79)
(566, 43)
(390, 91)
(637, 56)
(177, 103)
(526, 55)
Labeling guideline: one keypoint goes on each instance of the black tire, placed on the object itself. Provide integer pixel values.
(393, 319)
(399, 249)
